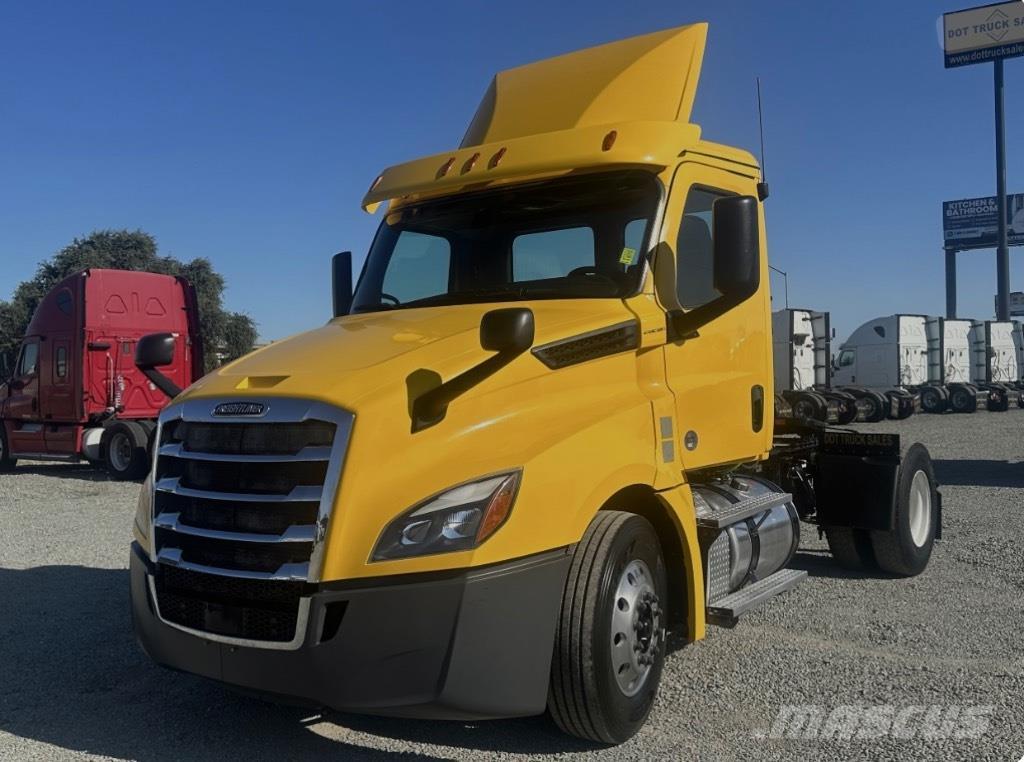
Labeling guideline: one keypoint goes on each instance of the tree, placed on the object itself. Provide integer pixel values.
(225, 334)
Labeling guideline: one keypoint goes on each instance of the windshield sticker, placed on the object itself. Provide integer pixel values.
(628, 256)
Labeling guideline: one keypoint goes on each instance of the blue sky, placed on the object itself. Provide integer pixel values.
(248, 132)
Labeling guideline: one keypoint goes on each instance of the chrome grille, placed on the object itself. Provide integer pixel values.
(243, 503)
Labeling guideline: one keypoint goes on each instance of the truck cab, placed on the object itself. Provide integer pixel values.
(536, 433)
(74, 392)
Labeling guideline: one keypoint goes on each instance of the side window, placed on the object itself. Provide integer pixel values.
(419, 267)
(29, 361)
(64, 301)
(60, 362)
(695, 265)
(552, 254)
(846, 358)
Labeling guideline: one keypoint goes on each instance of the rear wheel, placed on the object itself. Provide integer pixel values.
(851, 548)
(123, 450)
(932, 401)
(871, 407)
(962, 401)
(610, 641)
(7, 462)
(809, 408)
(906, 548)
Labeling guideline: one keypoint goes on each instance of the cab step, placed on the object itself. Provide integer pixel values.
(744, 509)
(727, 609)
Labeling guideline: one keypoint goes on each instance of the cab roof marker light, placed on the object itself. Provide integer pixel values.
(609, 140)
(496, 159)
(470, 162)
(445, 167)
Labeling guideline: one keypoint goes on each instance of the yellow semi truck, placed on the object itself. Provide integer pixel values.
(537, 433)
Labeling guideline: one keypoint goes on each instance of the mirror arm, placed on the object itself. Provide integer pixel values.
(683, 325)
(160, 381)
(431, 407)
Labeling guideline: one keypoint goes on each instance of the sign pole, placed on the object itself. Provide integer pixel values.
(951, 283)
(1002, 248)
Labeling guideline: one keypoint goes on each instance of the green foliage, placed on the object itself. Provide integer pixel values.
(224, 333)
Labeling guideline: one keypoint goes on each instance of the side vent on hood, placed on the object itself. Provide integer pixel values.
(621, 337)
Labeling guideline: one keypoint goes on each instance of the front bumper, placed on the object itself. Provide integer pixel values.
(466, 645)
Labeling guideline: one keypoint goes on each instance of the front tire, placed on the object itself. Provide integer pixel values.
(610, 640)
(905, 549)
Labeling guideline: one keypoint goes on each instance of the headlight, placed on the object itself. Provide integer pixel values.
(458, 519)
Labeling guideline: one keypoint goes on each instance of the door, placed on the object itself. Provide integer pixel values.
(722, 378)
(23, 403)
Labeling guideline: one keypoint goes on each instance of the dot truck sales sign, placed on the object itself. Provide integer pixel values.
(983, 34)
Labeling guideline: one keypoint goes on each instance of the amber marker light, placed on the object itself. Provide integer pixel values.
(496, 159)
(470, 163)
(445, 167)
(498, 509)
(609, 140)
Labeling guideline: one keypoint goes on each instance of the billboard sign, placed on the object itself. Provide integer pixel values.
(977, 35)
(1016, 303)
(972, 223)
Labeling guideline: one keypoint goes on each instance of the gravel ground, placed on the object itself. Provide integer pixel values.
(73, 684)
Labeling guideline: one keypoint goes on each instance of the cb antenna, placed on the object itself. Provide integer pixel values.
(762, 187)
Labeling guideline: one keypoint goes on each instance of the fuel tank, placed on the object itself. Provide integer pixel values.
(749, 549)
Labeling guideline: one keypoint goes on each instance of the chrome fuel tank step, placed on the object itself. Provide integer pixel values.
(749, 531)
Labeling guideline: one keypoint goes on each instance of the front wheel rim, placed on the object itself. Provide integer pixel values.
(920, 508)
(636, 631)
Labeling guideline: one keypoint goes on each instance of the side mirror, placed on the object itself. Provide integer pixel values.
(737, 262)
(5, 366)
(507, 330)
(341, 282)
(508, 333)
(156, 350)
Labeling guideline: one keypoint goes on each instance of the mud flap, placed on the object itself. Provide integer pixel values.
(856, 479)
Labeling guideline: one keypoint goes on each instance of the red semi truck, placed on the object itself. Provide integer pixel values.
(74, 392)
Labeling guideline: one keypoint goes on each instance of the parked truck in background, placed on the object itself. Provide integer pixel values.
(803, 335)
(74, 392)
(994, 362)
(802, 357)
(538, 432)
(949, 368)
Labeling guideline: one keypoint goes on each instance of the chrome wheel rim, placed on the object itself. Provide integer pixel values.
(920, 508)
(120, 451)
(636, 627)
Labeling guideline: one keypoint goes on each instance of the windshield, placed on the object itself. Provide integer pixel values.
(571, 238)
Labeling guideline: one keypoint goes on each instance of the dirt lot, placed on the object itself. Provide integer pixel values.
(73, 684)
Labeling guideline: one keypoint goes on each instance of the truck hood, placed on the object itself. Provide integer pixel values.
(357, 356)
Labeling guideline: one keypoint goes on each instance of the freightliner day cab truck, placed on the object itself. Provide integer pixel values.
(74, 392)
(538, 433)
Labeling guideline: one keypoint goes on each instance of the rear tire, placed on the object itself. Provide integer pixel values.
(7, 462)
(872, 407)
(123, 450)
(851, 548)
(932, 401)
(961, 401)
(906, 548)
(610, 639)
